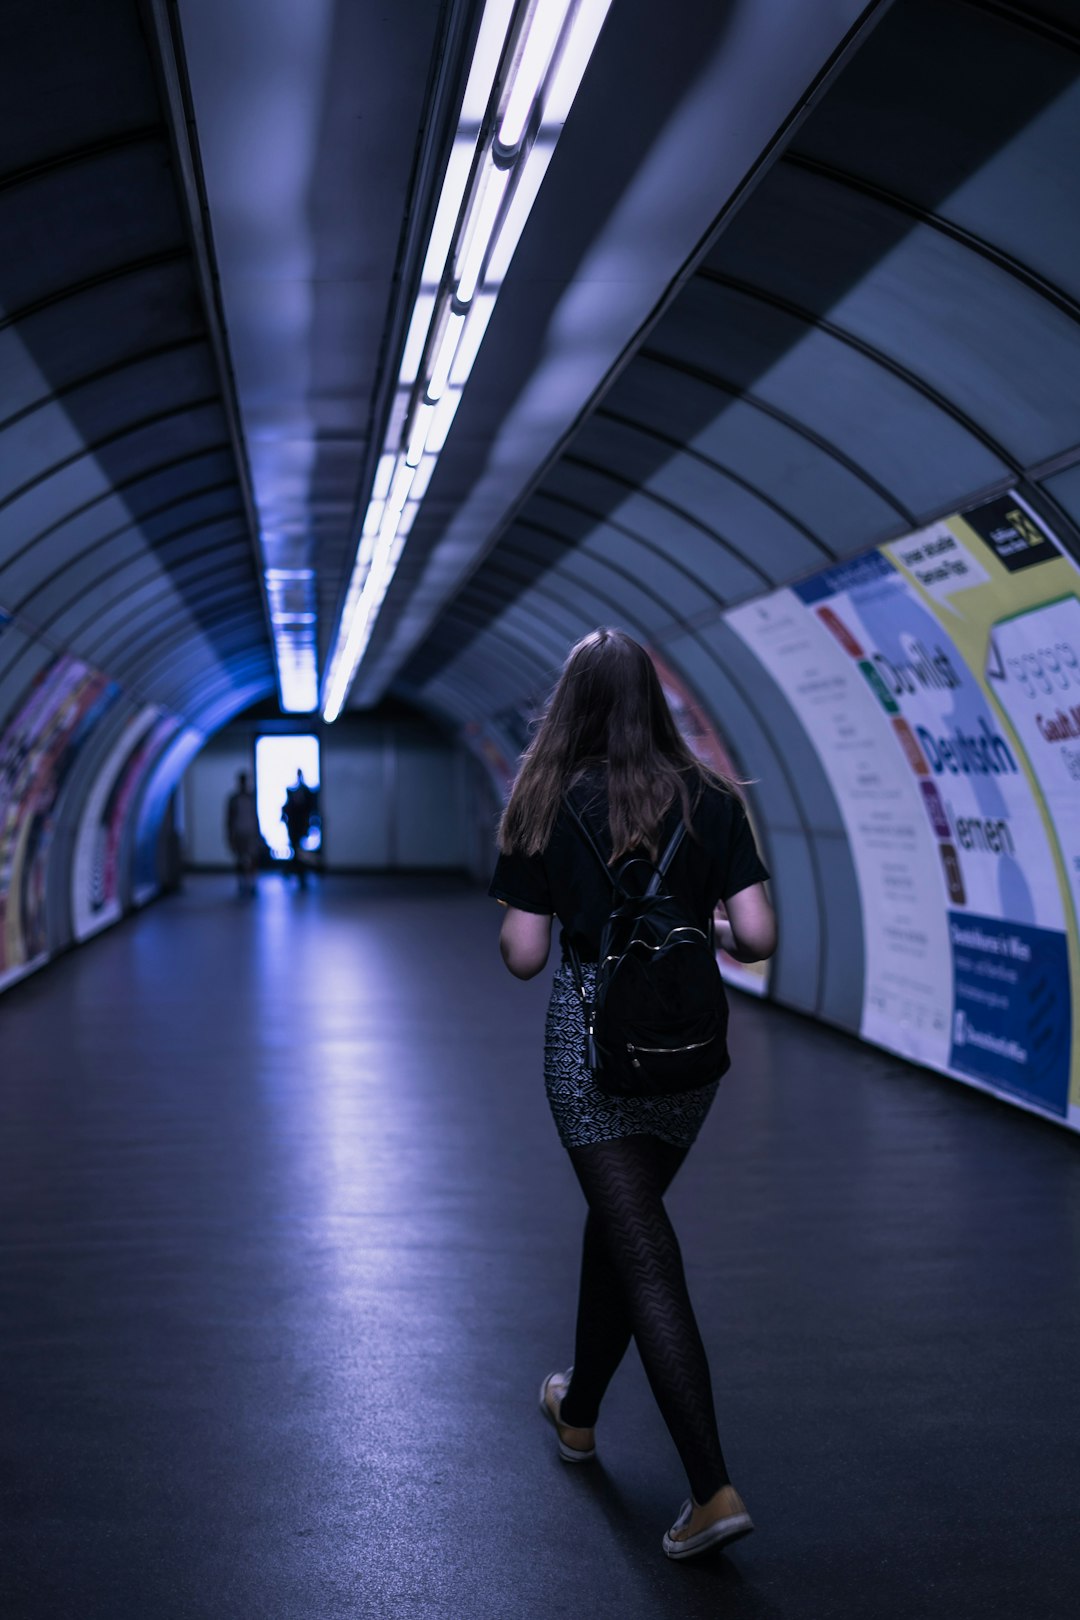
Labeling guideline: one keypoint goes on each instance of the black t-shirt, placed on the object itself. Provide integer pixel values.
(564, 880)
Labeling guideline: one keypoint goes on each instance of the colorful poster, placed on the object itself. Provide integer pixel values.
(1035, 670)
(1012, 610)
(906, 997)
(157, 786)
(37, 751)
(898, 664)
(95, 877)
(704, 740)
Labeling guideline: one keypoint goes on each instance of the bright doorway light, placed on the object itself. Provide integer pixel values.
(277, 760)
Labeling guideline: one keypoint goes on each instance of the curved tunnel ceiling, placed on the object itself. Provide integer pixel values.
(125, 528)
(889, 329)
(883, 330)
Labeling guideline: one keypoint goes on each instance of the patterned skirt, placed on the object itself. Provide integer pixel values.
(583, 1113)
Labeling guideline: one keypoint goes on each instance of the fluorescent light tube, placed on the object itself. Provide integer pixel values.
(445, 412)
(486, 57)
(483, 212)
(407, 518)
(383, 474)
(387, 530)
(476, 324)
(444, 355)
(542, 31)
(373, 517)
(446, 215)
(573, 60)
(418, 433)
(414, 343)
(399, 490)
(299, 686)
(530, 179)
(423, 477)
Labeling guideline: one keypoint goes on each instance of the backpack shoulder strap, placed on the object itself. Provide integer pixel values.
(660, 871)
(587, 833)
(666, 858)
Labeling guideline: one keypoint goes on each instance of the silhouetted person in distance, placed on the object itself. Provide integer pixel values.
(608, 741)
(242, 833)
(296, 813)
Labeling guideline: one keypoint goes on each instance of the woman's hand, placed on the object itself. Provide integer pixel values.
(524, 940)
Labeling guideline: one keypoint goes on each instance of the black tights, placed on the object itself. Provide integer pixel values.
(633, 1285)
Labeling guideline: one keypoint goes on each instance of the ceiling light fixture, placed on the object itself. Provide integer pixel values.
(290, 594)
(528, 62)
(540, 30)
(444, 357)
(476, 324)
(421, 425)
(487, 199)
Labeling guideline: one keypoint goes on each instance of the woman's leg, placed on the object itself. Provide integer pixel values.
(604, 1327)
(624, 1182)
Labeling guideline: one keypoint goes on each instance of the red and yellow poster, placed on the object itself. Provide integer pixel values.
(37, 751)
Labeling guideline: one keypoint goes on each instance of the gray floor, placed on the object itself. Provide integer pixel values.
(288, 1241)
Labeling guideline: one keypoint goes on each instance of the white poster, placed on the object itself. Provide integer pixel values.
(907, 1003)
(1035, 670)
(95, 875)
(965, 925)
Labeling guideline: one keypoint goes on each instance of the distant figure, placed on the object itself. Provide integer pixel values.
(242, 833)
(296, 813)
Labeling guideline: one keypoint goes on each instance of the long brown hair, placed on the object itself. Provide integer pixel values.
(607, 709)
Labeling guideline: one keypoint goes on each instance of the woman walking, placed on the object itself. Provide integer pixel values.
(608, 741)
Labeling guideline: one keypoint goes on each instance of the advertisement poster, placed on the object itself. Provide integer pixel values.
(166, 765)
(906, 996)
(704, 741)
(37, 751)
(897, 663)
(95, 877)
(1007, 595)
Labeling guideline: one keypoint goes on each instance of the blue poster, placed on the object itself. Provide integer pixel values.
(1012, 1026)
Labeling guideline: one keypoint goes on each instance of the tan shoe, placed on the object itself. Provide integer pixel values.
(732, 1522)
(575, 1445)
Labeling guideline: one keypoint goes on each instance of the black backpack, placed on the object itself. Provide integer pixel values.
(657, 1021)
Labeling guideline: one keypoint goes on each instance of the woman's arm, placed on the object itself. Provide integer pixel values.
(525, 940)
(748, 931)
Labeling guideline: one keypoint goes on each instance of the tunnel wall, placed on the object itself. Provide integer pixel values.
(939, 681)
(908, 725)
(131, 616)
(86, 774)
